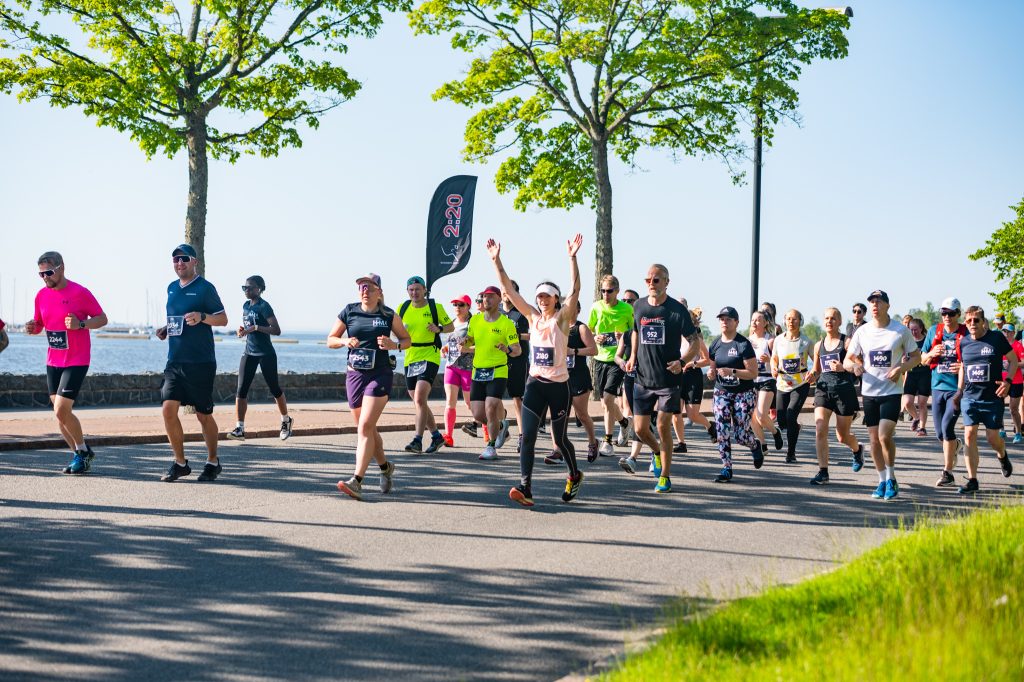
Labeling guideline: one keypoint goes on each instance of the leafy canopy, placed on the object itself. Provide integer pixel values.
(155, 68)
(555, 80)
(1004, 251)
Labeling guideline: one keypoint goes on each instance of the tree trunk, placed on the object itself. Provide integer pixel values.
(603, 260)
(198, 185)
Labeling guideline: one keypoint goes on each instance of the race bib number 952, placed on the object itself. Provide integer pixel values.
(653, 333)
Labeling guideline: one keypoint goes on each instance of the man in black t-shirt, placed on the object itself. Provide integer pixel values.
(661, 324)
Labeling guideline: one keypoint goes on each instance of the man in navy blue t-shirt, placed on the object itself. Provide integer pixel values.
(193, 309)
(982, 389)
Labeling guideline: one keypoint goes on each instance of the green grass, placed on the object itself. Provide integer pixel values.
(940, 602)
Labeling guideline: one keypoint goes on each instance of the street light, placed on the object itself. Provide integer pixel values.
(755, 265)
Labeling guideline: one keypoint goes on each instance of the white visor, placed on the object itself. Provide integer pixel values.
(547, 289)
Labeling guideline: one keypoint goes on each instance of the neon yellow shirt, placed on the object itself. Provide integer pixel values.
(416, 321)
(606, 319)
(485, 336)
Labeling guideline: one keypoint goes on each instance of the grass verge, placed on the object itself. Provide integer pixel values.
(940, 602)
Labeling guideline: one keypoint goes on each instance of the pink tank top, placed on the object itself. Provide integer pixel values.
(548, 344)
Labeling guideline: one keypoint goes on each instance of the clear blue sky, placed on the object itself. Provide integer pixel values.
(908, 157)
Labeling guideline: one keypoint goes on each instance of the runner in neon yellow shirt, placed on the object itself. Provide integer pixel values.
(423, 358)
(609, 319)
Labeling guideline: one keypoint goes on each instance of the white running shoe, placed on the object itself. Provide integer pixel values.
(622, 435)
(489, 453)
(502, 434)
(607, 449)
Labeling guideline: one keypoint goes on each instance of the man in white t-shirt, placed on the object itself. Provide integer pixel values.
(874, 354)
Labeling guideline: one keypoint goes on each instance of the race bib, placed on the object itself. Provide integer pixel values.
(483, 374)
(57, 340)
(731, 380)
(978, 373)
(609, 340)
(827, 359)
(791, 365)
(880, 358)
(543, 356)
(416, 369)
(175, 325)
(762, 368)
(653, 333)
(362, 358)
(453, 354)
(570, 361)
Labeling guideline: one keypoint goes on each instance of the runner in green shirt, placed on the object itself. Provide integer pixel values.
(423, 358)
(609, 319)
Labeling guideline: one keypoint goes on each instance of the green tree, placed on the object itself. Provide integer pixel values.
(813, 330)
(160, 69)
(564, 83)
(929, 315)
(1004, 251)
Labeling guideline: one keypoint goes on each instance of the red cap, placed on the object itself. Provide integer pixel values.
(462, 299)
(491, 290)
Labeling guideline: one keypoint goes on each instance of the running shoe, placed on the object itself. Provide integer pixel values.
(656, 466)
(210, 471)
(957, 450)
(790, 458)
(664, 485)
(879, 492)
(821, 478)
(572, 487)
(286, 428)
(858, 459)
(713, 432)
(679, 448)
(1002, 434)
(79, 464)
(554, 458)
(592, 451)
(387, 482)
(176, 471)
(502, 434)
(892, 489)
(622, 434)
(522, 495)
(415, 446)
(353, 487)
(449, 441)
(922, 432)
(758, 453)
(489, 453)
(1004, 464)
(579, 424)
(519, 444)
(945, 480)
(724, 476)
(435, 444)
(1017, 439)
(628, 464)
(607, 449)
(970, 487)
(914, 424)
(543, 428)
(777, 436)
(470, 430)
(237, 434)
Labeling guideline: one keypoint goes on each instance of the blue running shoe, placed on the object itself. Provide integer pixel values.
(879, 492)
(892, 489)
(724, 476)
(656, 465)
(664, 485)
(858, 459)
(78, 465)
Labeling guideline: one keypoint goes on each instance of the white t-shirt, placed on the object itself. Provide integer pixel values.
(882, 348)
(793, 357)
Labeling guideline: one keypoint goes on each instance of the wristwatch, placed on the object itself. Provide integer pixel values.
(81, 324)
(202, 317)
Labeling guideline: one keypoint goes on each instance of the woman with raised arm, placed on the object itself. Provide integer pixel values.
(548, 385)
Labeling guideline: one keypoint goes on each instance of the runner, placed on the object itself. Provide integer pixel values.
(258, 324)
(791, 353)
(662, 323)
(369, 325)
(66, 311)
(733, 368)
(581, 346)
(493, 338)
(918, 384)
(859, 311)
(472, 428)
(458, 371)
(834, 393)
(1016, 383)
(549, 385)
(518, 367)
(193, 309)
(768, 310)
(691, 388)
(629, 297)
(873, 355)
(622, 355)
(940, 355)
(764, 384)
(980, 394)
(424, 321)
(609, 318)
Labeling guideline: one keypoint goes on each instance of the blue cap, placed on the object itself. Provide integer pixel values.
(416, 279)
(184, 250)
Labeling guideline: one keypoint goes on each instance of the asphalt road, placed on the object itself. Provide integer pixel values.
(270, 573)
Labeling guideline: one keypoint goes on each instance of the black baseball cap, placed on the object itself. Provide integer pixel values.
(729, 311)
(184, 250)
(878, 293)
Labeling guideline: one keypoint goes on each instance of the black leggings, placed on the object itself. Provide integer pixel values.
(790, 404)
(247, 372)
(541, 396)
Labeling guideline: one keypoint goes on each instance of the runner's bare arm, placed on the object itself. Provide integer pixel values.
(72, 321)
(494, 250)
(749, 370)
(273, 327)
(694, 340)
(587, 337)
(569, 307)
(401, 333)
(334, 339)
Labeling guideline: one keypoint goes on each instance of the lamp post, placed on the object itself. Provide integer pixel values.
(755, 247)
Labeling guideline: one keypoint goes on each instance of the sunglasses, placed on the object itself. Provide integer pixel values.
(479, 301)
(630, 301)
(979, 320)
(181, 259)
(459, 305)
(247, 287)
(950, 313)
(858, 311)
(607, 291)
(652, 280)
(50, 273)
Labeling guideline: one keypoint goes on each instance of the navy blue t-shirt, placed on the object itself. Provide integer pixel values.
(188, 343)
(733, 355)
(367, 326)
(257, 314)
(983, 364)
